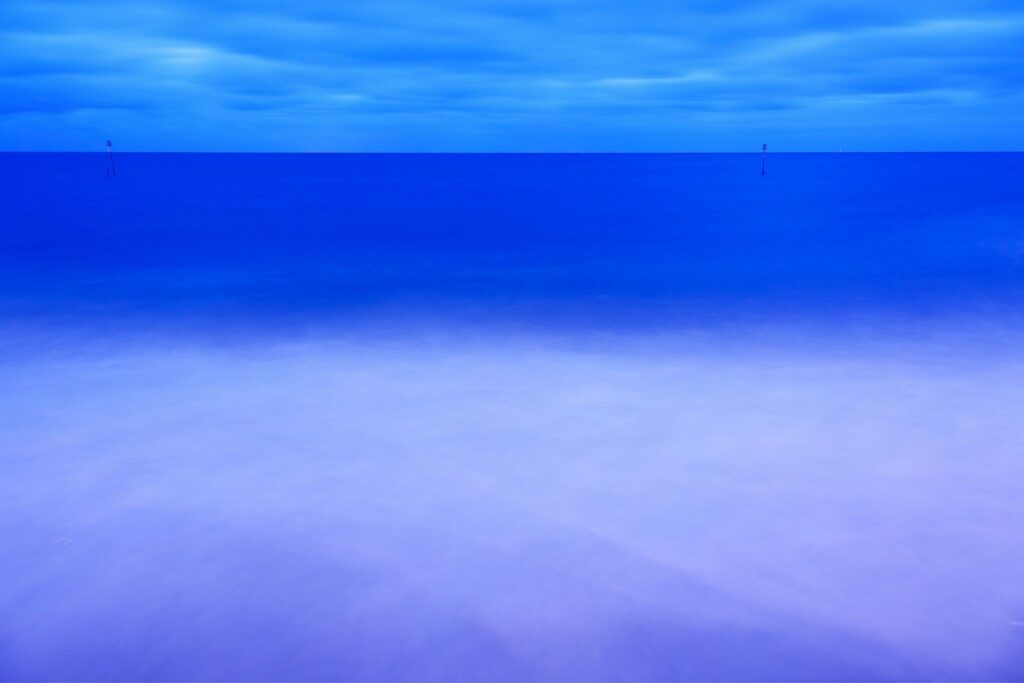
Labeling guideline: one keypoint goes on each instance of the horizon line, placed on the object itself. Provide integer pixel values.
(103, 150)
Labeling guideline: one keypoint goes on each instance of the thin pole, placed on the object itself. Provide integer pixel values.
(764, 155)
(111, 170)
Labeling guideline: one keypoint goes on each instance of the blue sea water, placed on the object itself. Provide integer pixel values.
(592, 239)
(512, 417)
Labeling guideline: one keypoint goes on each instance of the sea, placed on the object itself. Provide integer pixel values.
(512, 417)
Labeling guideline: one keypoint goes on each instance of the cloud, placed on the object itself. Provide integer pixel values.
(411, 70)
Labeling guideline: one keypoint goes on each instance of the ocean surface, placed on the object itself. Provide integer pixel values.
(512, 417)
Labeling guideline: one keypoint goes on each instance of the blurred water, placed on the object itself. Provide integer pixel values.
(512, 418)
(612, 240)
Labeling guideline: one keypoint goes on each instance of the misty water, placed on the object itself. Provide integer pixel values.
(512, 417)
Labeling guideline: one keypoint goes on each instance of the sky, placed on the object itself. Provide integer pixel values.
(516, 76)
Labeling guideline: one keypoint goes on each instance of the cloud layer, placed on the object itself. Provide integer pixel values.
(520, 76)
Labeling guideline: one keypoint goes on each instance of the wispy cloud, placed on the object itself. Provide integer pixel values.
(411, 74)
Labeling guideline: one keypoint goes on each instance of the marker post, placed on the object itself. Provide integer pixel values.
(111, 169)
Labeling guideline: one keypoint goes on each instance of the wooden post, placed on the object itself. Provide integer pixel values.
(111, 170)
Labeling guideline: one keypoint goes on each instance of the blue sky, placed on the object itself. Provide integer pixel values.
(504, 75)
